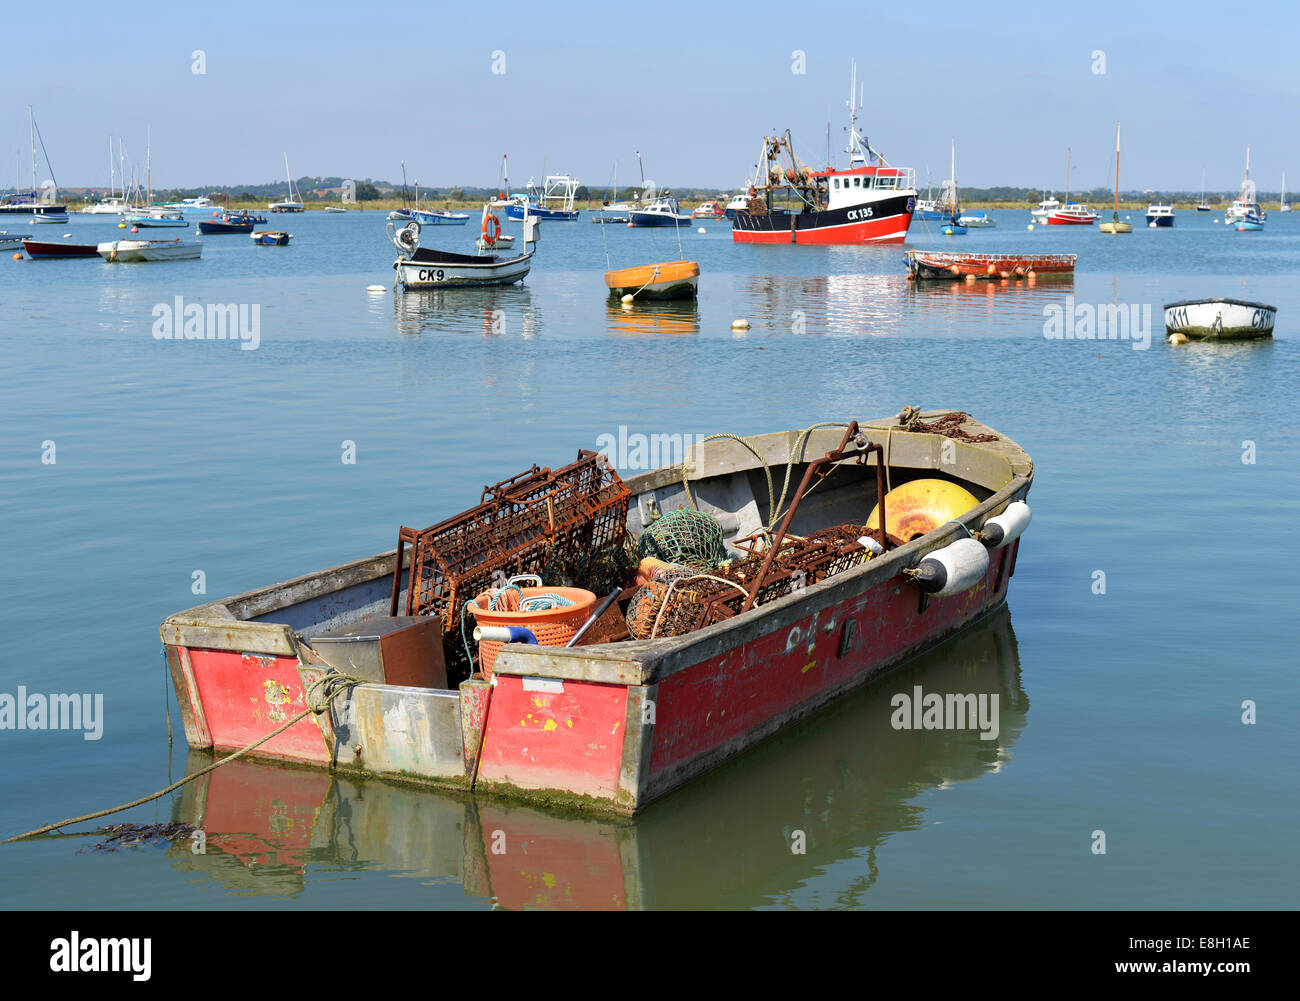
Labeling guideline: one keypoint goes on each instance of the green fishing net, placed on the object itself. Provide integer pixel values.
(686, 536)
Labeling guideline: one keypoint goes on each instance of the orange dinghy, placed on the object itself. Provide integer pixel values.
(669, 280)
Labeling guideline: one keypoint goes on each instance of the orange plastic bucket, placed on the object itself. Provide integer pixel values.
(551, 626)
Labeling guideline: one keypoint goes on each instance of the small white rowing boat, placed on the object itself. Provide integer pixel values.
(149, 250)
(1220, 319)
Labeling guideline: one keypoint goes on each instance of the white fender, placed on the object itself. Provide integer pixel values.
(953, 569)
(1008, 526)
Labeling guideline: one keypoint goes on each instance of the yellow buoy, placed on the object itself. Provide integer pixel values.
(1177, 338)
(739, 324)
(920, 506)
(627, 298)
(1031, 227)
(121, 225)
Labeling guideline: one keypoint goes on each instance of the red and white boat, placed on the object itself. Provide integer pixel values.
(1072, 214)
(709, 210)
(936, 264)
(871, 201)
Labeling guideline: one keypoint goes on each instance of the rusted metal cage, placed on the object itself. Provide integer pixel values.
(564, 523)
(702, 600)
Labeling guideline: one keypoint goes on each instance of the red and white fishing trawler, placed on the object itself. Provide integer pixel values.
(871, 201)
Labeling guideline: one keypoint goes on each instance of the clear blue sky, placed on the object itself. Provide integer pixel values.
(353, 89)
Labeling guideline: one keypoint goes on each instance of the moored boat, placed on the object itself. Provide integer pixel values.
(978, 219)
(425, 268)
(433, 217)
(1072, 214)
(10, 242)
(1245, 214)
(1160, 214)
(157, 218)
(870, 201)
(668, 280)
(1045, 208)
(937, 264)
(1115, 226)
(663, 211)
(149, 250)
(613, 723)
(271, 238)
(229, 222)
(554, 201)
(709, 210)
(1220, 319)
(44, 248)
(292, 203)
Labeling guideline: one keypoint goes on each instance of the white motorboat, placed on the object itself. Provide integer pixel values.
(1045, 208)
(421, 268)
(124, 251)
(977, 220)
(663, 211)
(1245, 213)
(1220, 319)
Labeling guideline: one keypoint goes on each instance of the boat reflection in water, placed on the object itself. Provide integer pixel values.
(845, 777)
(666, 318)
(494, 311)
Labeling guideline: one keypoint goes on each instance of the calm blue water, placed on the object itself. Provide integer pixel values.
(1121, 712)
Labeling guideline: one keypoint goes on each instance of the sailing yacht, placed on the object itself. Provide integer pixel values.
(42, 203)
(1115, 226)
(1245, 213)
(1203, 205)
(1285, 206)
(294, 202)
(952, 225)
(114, 204)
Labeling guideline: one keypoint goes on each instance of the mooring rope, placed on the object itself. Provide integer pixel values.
(320, 693)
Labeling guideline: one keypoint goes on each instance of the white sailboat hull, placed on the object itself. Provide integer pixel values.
(428, 274)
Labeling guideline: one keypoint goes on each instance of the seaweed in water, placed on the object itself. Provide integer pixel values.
(135, 835)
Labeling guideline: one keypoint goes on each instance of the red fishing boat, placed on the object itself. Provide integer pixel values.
(369, 667)
(45, 248)
(871, 201)
(935, 264)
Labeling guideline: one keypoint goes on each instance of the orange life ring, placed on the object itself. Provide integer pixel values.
(491, 229)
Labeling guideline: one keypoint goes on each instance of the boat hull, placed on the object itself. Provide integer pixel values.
(609, 727)
(434, 273)
(33, 209)
(271, 239)
(1220, 319)
(884, 221)
(670, 280)
(643, 220)
(516, 212)
(133, 251)
(1068, 219)
(950, 266)
(150, 222)
(425, 218)
(216, 227)
(40, 248)
(1161, 221)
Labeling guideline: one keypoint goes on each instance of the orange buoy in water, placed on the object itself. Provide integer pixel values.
(18, 257)
(134, 229)
(920, 506)
(991, 269)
